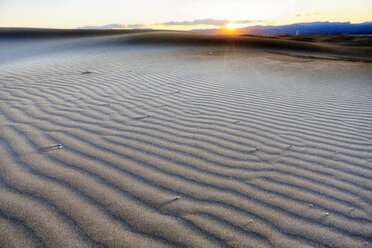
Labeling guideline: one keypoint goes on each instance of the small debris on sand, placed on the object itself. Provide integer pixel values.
(248, 223)
(51, 148)
(289, 147)
(170, 201)
(254, 150)
(86, 72)
(142, 117)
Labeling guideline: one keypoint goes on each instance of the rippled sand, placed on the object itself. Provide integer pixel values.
(181, 140)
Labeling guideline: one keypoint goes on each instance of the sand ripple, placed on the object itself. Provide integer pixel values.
(133, 146)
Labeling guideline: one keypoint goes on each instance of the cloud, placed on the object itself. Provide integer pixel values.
(208, 21)
(136, 26)
(308, 14)
(249, 21)
(114, 26)
(109, 26)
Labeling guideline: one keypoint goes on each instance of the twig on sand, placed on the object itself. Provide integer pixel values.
(170, 201)
(247, 224)
(141, 117)
(254, 150)
(174, 199)
(51, 148)
(287, 148)
(175, 92)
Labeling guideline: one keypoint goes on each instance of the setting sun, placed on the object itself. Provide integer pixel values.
(232, 26)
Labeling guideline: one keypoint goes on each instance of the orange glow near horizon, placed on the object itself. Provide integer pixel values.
(233, 26)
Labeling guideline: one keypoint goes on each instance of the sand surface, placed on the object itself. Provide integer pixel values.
(170, 139)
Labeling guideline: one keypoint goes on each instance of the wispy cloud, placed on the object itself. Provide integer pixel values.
(216, 23)
(208, 21)
(109, 26)
(308, 14)
(114, 26)
(136, 26)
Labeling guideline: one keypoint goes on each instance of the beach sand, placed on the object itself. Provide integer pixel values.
(176, 139)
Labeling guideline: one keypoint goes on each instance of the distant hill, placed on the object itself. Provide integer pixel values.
(334, 28)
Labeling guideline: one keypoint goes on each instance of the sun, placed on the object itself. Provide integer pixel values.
(232, 26)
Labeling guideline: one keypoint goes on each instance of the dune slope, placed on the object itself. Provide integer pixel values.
(115, 141)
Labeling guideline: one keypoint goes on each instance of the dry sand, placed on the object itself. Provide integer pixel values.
(172, 139)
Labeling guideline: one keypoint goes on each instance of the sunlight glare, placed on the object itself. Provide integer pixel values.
(232, 26)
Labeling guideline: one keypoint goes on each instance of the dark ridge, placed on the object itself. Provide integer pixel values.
(302, 188)
(193, 181)
(239, 229)
(185, 38)
(345, 40)
(295, 236)
(21, 33)
(30, 232)
(281, 172)
(311, 57)
(177, 38)
(288, 197)
(95, 202)
(274, 118)
(293, 165)
(59, 212)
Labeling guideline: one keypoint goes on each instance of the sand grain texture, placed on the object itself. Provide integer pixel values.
(170, 139)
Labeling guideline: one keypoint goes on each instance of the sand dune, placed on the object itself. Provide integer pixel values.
(172, 139)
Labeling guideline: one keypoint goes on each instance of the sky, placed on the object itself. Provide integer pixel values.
(178, 14)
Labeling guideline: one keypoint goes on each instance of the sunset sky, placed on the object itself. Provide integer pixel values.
(178, 14)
